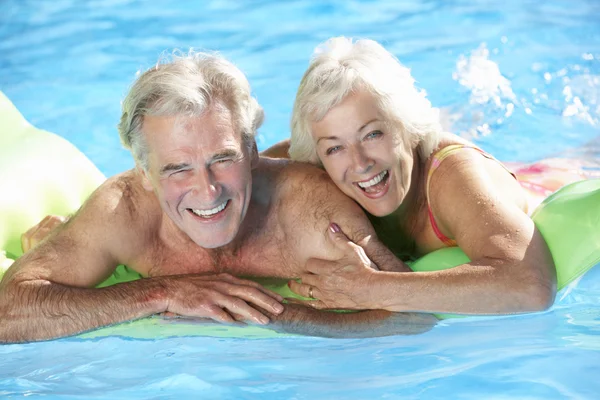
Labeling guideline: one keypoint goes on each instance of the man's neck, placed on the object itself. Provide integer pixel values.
(257, 215)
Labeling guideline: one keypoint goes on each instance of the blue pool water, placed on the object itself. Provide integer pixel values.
(521, 78)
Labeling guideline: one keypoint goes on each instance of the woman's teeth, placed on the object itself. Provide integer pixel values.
(374, 181)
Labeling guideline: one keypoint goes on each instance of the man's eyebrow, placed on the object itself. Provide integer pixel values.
(359, 130)
(173, 167)
(226, 153)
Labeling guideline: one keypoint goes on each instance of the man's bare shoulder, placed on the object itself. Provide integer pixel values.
(121, 194)
(121, 202)
(291, 176)
(311, 187)
(307, 200)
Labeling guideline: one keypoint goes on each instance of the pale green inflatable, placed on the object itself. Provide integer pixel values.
(42, 173)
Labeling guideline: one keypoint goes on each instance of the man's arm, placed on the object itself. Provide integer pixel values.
(303, 320)
(49, 292)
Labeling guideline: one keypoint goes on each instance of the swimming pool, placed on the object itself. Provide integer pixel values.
(520, 77)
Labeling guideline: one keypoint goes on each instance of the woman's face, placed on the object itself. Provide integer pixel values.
(367, 160)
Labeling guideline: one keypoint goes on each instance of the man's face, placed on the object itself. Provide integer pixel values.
(200, 169)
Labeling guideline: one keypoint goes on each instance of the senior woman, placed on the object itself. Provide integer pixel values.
(358, 114)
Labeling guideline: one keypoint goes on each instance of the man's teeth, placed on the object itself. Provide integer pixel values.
(211, 212)
(373, 181)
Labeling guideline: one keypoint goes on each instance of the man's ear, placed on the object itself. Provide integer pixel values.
(146, 183)
(254, 158)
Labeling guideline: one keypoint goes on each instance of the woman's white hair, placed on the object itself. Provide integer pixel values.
(187, 84)
(340, 67)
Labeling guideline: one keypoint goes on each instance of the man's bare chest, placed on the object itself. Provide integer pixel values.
(260, 256)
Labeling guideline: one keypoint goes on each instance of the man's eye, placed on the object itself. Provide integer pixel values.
(373, 135)
(223, 161)
(178, 172)
(333, 150)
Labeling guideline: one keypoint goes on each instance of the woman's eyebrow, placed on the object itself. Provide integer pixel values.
(359, 130)
(327, 138)
(368, 123)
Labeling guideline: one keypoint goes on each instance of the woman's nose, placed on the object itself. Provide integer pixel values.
(361, 160)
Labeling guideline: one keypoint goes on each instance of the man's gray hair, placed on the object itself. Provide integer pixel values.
(187, 84)
(340, 67)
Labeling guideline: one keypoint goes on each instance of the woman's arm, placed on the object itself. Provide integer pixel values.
(512, 270)
(481, 206)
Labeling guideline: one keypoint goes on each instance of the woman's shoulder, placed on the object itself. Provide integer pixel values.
(460, 168)
(451, 141)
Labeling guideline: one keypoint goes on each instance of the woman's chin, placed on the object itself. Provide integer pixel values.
(377, 210)
(381, 207)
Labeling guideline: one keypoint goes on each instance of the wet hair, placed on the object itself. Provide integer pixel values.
(187, 84)
(340, 67)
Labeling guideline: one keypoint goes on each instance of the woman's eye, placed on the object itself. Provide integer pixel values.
(333, 150)
(374, 135)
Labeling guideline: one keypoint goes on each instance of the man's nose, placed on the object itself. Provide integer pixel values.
(362, 163)
(206, 185)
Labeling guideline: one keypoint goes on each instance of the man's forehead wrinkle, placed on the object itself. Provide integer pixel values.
(217, 136)
(220, 118)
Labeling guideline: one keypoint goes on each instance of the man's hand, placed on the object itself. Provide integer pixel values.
(40, 231)
(223, 298)
(340, 284)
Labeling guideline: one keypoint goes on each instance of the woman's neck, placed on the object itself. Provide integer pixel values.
(399, 229)
(412, 203)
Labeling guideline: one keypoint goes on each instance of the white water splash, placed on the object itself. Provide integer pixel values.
(582, 98)
(483, 78)
(575, 90)
(491, 98)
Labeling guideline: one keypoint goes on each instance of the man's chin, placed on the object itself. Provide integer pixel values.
(213, 241)
(212, 244)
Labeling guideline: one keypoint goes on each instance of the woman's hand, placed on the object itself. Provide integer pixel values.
(346, 283)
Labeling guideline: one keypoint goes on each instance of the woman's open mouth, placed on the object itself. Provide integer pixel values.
(376, 186)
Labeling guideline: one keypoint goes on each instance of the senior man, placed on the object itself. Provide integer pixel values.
(200, 207)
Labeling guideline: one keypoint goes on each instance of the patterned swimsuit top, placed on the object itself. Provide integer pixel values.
(437, 159)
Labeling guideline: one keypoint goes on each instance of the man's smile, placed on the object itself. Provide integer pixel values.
(210, 213)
